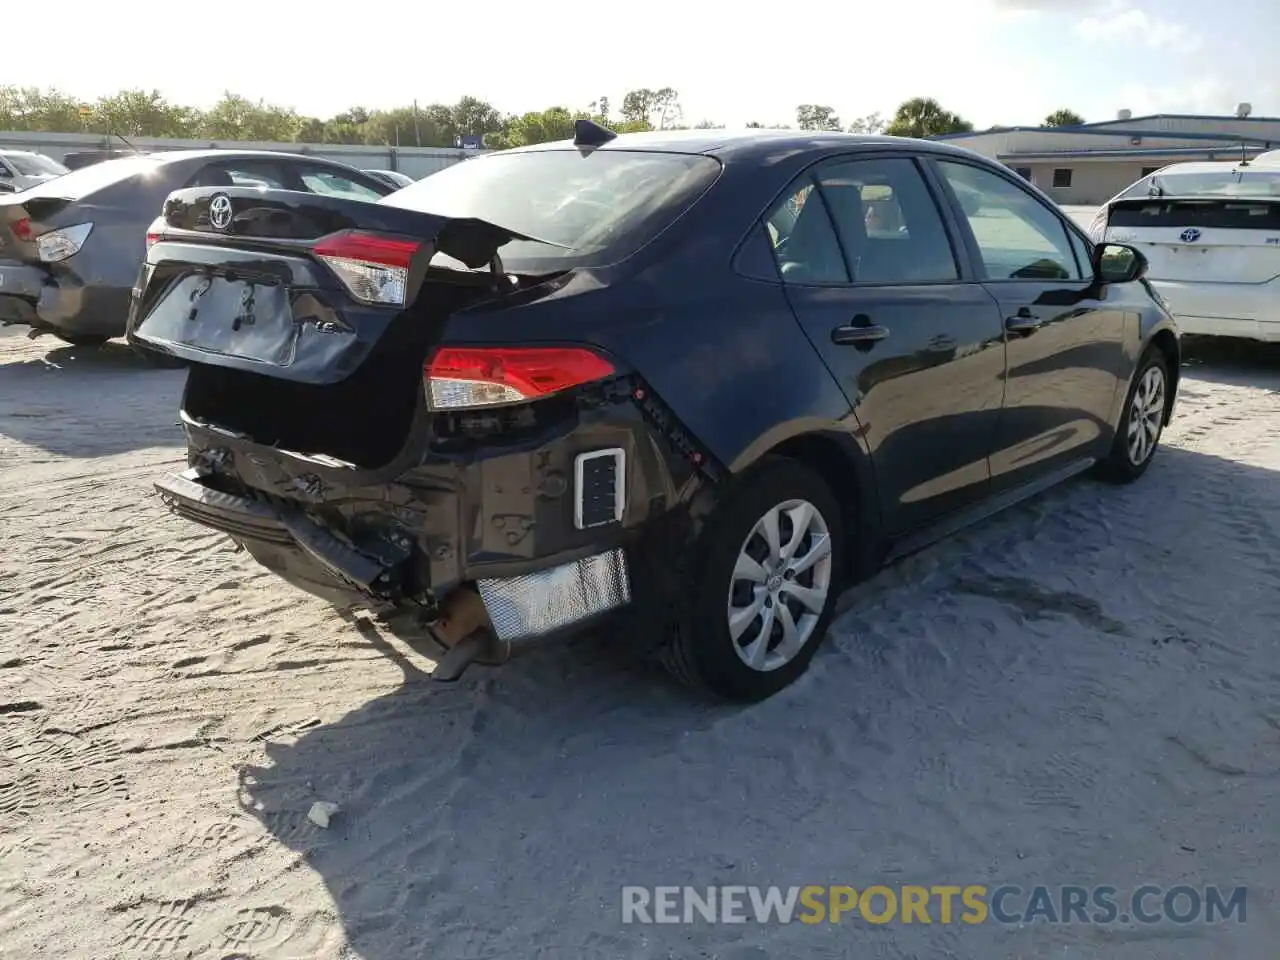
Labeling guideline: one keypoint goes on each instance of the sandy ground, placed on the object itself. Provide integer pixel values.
(1085, 690)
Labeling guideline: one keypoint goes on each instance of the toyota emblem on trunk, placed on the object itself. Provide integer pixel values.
(220, 212)
(1189, 235)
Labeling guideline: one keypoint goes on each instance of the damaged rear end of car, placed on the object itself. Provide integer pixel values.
(353, 425)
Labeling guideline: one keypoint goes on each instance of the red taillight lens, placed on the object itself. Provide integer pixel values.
(22, 229)
(373, 267)
(465, 377)
(155, 232)
(368, 247)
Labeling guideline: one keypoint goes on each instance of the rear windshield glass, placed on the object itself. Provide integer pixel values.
(34, 165)
(80, 183)
(1221, 213)
(1224, 183)
(599, 208)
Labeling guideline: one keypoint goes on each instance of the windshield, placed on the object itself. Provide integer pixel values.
(602, 206)
(1237, 182)
(80, 183)
(34, 165)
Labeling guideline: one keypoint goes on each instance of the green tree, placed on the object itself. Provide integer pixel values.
(476, 118)
(350, 126)
(656, 109)
(555, 123)
(237, 118)
(925, 117)
(142, 113)
(44, 111)
(813, 116)
(599, 109)
(1063, 118)
(871, 123)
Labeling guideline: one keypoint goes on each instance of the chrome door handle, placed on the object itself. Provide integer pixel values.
(851, 335)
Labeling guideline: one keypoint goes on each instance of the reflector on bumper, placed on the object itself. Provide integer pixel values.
(538, 603)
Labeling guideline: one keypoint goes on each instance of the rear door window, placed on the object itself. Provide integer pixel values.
(890, 227)
(1018, 236)
(334, 183)
(240, 173)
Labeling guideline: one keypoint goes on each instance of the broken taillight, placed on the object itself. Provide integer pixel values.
(374, 268)
(63, 243)
(155, 232)
(460, 378)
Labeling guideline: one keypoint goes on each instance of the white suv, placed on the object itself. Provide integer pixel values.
(1211, 234)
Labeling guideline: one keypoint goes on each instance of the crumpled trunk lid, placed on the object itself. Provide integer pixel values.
(233, 281)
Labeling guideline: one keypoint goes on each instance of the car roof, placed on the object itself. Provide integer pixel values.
(1205, 166)
(753, 143)
(173, 156)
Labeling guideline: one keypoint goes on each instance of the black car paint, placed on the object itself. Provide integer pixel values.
(905, 429)
(89, 293)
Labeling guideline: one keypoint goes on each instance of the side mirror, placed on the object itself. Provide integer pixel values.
(8, 188)
(1118, 263)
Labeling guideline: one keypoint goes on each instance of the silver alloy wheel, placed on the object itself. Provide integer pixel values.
(780, 585)
(1146, 416)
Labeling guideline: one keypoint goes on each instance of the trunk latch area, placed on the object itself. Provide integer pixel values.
(245, 316)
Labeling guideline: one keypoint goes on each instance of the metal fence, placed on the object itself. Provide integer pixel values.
(416, 162)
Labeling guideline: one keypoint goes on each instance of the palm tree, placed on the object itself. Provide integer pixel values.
(925, 117)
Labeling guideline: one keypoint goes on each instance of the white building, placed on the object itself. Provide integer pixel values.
(1093, 162)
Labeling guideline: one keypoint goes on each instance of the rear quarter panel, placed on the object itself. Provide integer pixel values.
(1149, 322)
(723, 352)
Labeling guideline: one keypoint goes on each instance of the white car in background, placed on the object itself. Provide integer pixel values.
(1211, 235)
(20, 169)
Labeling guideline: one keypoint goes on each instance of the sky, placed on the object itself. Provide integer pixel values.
(992, 61)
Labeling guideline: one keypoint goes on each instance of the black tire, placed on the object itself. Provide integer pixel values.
(1119, 466)
(82, 339)
(699, 650)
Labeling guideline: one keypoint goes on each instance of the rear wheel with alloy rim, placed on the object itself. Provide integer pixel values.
(766, 576)
(1141, 422)
(780, 585)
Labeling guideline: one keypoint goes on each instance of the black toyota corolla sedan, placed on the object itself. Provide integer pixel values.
(688, 384)
(70, 247)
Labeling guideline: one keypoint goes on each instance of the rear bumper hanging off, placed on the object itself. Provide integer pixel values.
(544, 599)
